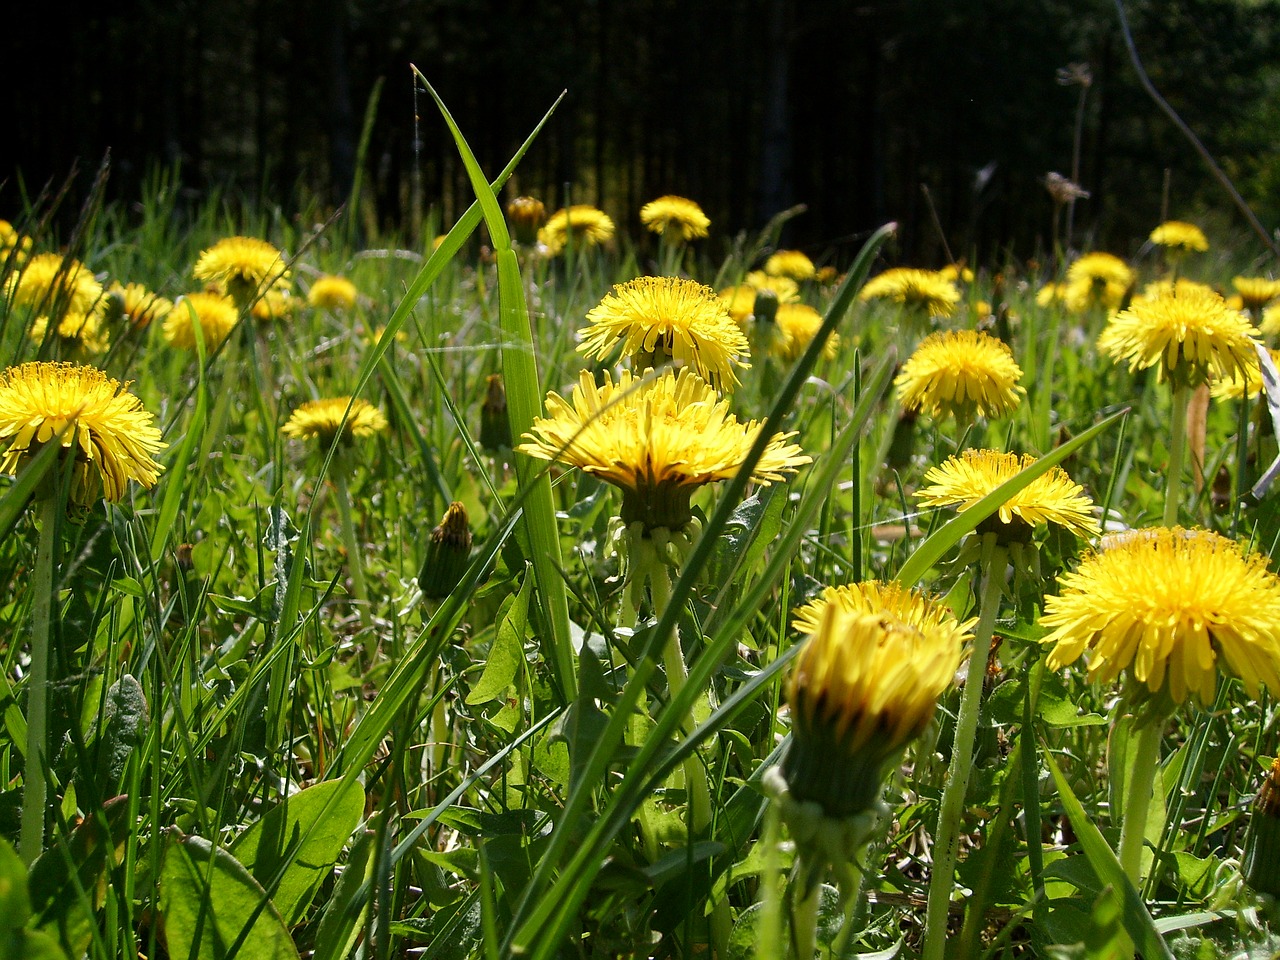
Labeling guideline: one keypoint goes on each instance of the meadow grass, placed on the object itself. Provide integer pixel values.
(243, 758)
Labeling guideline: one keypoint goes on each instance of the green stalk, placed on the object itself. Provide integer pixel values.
(342, 465)
(34, 789)
(1139, 785)
(1177, 454)
(804, 916)
(947, 840)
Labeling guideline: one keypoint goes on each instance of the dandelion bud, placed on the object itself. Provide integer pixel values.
(495, 428)
(526, 216)
(448, 554)
(1261, 864)
(766, 308)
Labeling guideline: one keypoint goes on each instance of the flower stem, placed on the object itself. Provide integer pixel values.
(1139, 784)
(947, 840)
(341, 466)
(34, 790)
(1177, 454)
(804, 915)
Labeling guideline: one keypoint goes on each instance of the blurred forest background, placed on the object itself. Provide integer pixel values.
(847, 106)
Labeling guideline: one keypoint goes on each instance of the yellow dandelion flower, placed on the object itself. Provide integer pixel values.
(1256, 292)
(585, 224)
(49, 282)
(862, 687)
(656, 439)
(217, 316)
(956, 273)
(243, 265)
(526, 215)
(922, 290)
(875, 596)
(1098, 280)
(332, 293)
(963, 373)
(1170, 606)
(1177, 236)
(661, 319)
(790, 263)
(798, 323)
(1242, 384)
(1270, 324)
(326, 419)
(1193, 337)
(1050, 294)
(139, 305)
(14, 246)
(1160, 289)
(83, 330)
(683, 218)
(276, 303)
(1051, 498)
(112, 437)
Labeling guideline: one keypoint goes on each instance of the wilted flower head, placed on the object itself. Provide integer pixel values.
(586, 225)
(1192, 337)
(921, 290)
(1177, 236)
(95, 419)
(332, 293)
(1063, 190)
(526, 215)
(1097, 280)
(1053, 497)
(657, 439)
(667, 319)
(962, 373)
(675, 217)
(863, 686)
(217, 316)
(790, 263)
(49, 283)
(326, 419)
(1167, 606)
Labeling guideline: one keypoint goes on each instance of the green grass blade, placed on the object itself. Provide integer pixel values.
(950, 533)
(1137, 920)
(540, 534)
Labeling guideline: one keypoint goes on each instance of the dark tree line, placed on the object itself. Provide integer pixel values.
(746, 107)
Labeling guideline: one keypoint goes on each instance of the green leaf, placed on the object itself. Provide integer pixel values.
(65, 901)
(298, 842)
(15, 902)
(211, 906)
(125, 719)
(1135, 917)
(507, 651)
(344, 915)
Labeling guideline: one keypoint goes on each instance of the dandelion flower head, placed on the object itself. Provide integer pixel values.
(326, 419)
(277, 302)
(13, 245)
(1256, 292)
(862, 687)
(681, 218)
(923, 290)
(83, 330)
(1169, 606)
(112, 437)
(657, 439)
(964, 373)
(1097, 280)
(586, 225)
(660, 319)
(332, 293)
(790, 263)
(876, 596)
(48, 282)
(1192, 337)
(139, 305)
(1241, 385)
(1180, 237)
(1053, 497)
(217, 316)
(242, 265)
(798, 323)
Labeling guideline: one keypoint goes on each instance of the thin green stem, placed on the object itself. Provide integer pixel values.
(804, 915)
(34, 789)
(947, 840)
(1139, 784)
(1177, 454)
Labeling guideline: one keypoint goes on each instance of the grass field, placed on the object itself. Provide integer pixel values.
(367, 681)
